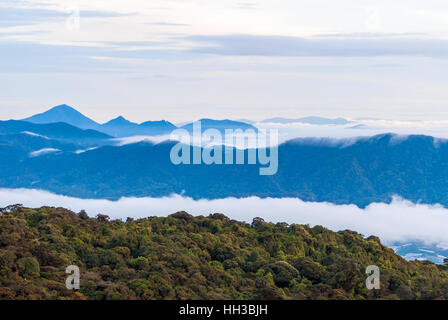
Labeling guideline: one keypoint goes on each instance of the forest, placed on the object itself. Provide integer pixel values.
(181, 257)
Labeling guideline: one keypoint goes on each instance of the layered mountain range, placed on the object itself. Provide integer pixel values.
(121, 127)
(83, 163)
(64, 152)
(86, 162)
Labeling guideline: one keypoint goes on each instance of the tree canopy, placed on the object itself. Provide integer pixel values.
(186, 257)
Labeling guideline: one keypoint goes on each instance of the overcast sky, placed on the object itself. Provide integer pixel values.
(186, 59)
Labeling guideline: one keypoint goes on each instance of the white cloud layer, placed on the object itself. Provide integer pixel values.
(343, 135)
(400, 221)
(43, 151)
(359, 128)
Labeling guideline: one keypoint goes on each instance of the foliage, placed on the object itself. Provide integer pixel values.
(186, 257)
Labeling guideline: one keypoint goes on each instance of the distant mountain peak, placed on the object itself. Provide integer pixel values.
(60, 108)
(63, 107)
(120, 120)
(121, 127)
(63, 113)
(160, 123)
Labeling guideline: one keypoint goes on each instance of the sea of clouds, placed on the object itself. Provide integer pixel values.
(339, 134)
(400, 221)
(358, 128)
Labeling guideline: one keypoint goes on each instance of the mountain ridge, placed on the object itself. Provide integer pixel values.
(55, 130)
(117, 127)
(367, 170)
(121, 127)
(63, 113)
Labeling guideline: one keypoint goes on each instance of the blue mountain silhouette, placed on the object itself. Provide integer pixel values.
(64, 113)
(58, 130)
(121, 127)
(358, 172)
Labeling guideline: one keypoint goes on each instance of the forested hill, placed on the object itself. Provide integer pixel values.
(360, 171)
(186, 257)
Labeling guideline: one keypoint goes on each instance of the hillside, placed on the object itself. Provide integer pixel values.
(186, 257)
(58, 130)
(120, 127)
(357, 172)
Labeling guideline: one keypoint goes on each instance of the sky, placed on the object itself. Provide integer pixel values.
(182, 60)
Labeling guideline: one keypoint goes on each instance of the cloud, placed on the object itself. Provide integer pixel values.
(285, 46)
(348, 134)
(367, 35)
(20, 16)
(400, 221)
(18, 56)
(138, 139)
(35, 135)
(85, 150)
(83, 57)
(43, 151)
